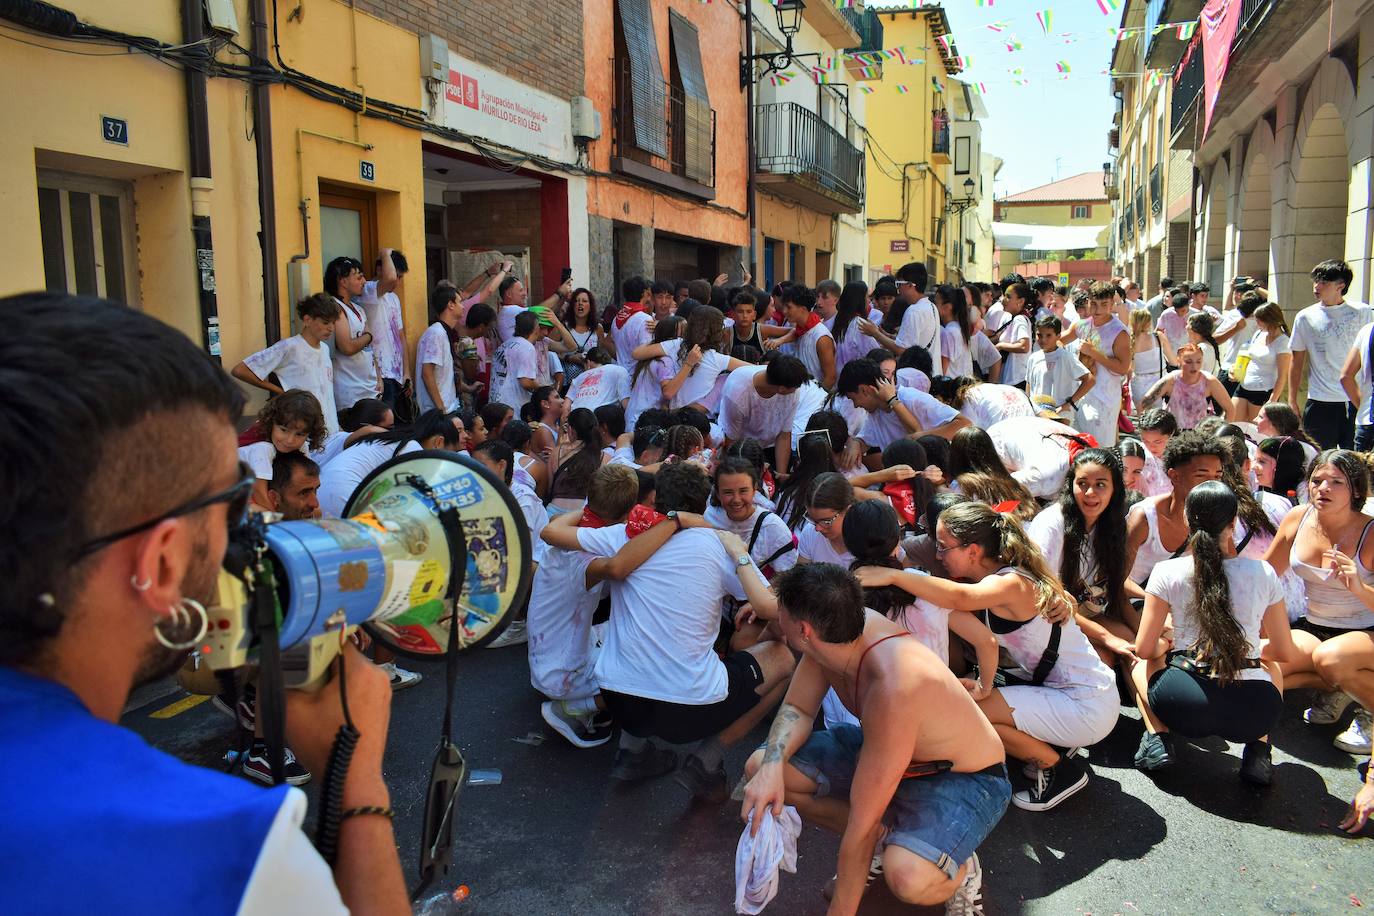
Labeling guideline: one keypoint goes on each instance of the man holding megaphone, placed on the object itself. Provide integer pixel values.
(118, 483)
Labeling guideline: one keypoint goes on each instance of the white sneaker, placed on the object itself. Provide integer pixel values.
(400, 677)
(1356, 738)
(1328, 708)
(514, 634)
(968, 899)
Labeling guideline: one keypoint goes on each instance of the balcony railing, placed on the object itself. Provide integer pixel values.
(869, 27)
(1245, 61)
(1187, 84)
(1140, 207)
(1130, 222)
(688, 127)
(1157, 190)
(796, 142)
(939, 132)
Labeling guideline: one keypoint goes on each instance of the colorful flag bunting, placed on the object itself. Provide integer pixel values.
(1062, 66)
(1046, 20)
(1106, 6)
(902, 90)
(1186, 30)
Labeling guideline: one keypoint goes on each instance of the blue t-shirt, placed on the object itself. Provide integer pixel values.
(98, 820)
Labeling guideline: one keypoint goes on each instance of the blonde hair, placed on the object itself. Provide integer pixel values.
(992, 489)
(1002, 538)
(1272, 314)
(613, 491)
(1141, 323)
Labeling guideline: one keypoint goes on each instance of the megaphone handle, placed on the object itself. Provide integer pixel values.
(458, 569)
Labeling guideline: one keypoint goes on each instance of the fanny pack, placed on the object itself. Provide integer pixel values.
(1183, 661)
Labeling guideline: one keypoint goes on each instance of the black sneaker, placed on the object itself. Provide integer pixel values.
(875, 871)
(646, 764)
(710, 786)
(1052, 786)
(256, 766)
(1156, 752)
(1256, 766)
(244, 712)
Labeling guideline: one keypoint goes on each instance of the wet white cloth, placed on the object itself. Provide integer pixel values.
(758, 858)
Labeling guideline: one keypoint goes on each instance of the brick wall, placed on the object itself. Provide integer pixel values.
(500, 219)
(538, 42)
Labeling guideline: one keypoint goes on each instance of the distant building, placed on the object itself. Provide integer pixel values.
(1057, 228)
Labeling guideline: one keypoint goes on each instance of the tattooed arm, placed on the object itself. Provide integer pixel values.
(791, 728)
(1159, 389)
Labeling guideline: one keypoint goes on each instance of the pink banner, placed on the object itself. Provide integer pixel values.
(1219, 21)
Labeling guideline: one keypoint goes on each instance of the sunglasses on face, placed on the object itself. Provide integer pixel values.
(236, 496)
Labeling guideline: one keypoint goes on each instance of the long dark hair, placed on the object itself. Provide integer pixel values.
(957, 307)
(913, 454)
(871, 533)
(429, 424)
(1290, 464)
(570, 310)
(1221, 643)
(971, 449)
(1203, 324)
(853, 304)
(1250, 511)
(577, 469)
(815, 456)
(1108, 534)
(667, 329)
(1286, 422)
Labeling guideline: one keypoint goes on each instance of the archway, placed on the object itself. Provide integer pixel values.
(1213, 247)
(1255, 219)
(1321, 188)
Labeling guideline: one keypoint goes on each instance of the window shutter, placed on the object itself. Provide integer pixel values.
(697, 101)
(647, 103)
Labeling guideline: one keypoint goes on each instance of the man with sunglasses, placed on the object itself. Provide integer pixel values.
(121, 483)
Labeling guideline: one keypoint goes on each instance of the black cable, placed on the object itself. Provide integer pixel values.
(335, 773)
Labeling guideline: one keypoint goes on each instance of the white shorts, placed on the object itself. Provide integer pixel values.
(1065, 717)
(1099, 420)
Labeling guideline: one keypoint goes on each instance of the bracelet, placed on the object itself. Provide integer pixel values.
(890, 400)
(387, 813)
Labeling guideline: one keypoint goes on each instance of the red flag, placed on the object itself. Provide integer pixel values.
(1219, 21)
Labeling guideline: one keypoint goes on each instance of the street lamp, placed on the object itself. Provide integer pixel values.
(789, 13)
(959, 206)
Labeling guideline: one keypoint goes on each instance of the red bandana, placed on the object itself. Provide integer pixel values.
(591, 520)
(627, 311)
(812, 319)
(903, 499)
(642, 518)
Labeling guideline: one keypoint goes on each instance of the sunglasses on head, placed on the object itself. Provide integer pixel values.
(236, 496)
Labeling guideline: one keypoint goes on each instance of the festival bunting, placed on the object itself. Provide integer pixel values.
(1046, 20)
(1107, 6)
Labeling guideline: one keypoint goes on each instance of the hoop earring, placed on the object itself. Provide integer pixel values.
(140, 585)
(183, 617)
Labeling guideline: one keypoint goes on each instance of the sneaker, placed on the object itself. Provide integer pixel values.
(1156, 752)
(968, 899)
(1355, 739)
(1030, 769)
(244, 712)
(514, 634)
(256, 766)
(1328, 709)
(875, 871)
(1256, 766)
(648, 763)
(579, 730)
(1052, 786)
(400, 677)
(709, 786)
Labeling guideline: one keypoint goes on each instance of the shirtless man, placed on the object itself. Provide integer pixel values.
(916, 718)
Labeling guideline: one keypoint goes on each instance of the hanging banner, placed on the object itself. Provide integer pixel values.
(1219, 21)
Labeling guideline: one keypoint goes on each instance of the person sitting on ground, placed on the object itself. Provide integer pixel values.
(1328, 544)
(1132, 455)
(576, 458)
(821, 539)
(760, 402)
(1062, 696)
(1035, 450)
(1157, 529)
(657, 670)
(339, 478)
(1281, 466)
(1211, 677)
(923, 759)
(529, 469)
(1155, 427)
(546, 412)
(499, 457)
(983, 404)
(292, 420)
(892, 412)
(818, 452)
(1190, 391)
(912, 369)
(734, 507)
(971, 452)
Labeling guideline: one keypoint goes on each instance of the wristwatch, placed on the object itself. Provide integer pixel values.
(743, 560)
(673, 517)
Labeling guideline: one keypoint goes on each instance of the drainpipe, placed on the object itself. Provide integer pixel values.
(267, 183)
(202, 184)
(754, 266)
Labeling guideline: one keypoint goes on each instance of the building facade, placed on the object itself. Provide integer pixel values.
(1060, 229)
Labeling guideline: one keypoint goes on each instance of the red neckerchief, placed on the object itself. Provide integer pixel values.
(641, 519)
(903, 499)
(770, 483)
(812, 319)
(591, 520)
(252, 434)
(628, 311)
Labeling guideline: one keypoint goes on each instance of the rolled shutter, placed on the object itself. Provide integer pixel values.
(648, 105)
(697, 102)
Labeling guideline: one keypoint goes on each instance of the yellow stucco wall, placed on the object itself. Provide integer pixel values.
(1055, 214)
(900, 125)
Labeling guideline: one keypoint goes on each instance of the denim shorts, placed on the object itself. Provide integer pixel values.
(941, 818)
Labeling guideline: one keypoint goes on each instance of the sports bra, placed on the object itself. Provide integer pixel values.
(1329, 603)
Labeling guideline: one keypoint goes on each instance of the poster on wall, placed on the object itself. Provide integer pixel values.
(491, 106)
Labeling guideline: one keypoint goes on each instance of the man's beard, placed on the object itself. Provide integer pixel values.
(199, 584)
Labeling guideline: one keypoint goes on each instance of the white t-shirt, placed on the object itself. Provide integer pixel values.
(289, 875)
(633, 333)
(911, 377)
(597, 387)
(1231, 349)
(1035, 451)
(807, 352)
(387, 326)
(560, 625)
(984, 353)
(987, 404)
(882, 427)
(259, 456)
(921, 328)
(811, 397)
(1056, 374)
(660, 641)
(1018, 328)
(434, 350)
(1254, 587)
(532, 507)
(699, 384)
(1361, 348)
(355, 377)
(814, 547)
(1263, 372)
(1324, 333)
(513, 360)
(505, 321)
(953, 346)
(774, 535)
(299, 365)
(744, 414)
(341, 477)
(646, 392)
(1047, 531)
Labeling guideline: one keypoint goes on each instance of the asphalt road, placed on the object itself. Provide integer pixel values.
(558, 837)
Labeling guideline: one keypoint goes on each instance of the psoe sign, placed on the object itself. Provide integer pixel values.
(493, 107)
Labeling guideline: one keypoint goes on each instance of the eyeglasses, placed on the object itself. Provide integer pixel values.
(236, 496)
(942, 549)
(823, 522)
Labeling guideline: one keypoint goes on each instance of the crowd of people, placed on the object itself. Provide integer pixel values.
(1068, 499)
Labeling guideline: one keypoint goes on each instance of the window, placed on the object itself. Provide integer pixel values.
(1082, 211)
(86, 229)
(693, 118)
(645, 82)
(963, 155)
(972, 249)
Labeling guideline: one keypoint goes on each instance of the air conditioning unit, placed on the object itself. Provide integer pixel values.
(586, 120)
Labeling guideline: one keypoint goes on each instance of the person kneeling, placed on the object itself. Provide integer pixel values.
(923, 759)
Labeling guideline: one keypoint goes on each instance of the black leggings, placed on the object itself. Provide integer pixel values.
(1197, 706)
